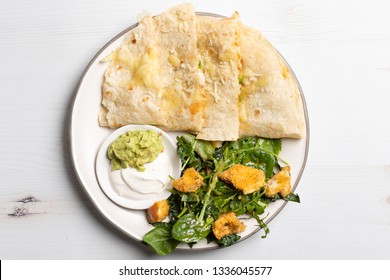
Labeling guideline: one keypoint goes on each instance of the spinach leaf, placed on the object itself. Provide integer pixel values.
(225, 241)
(160, 239)
(290, 197)
(190, 229)
(188, 156)
(194, 153)
(203, 148)
(293, 198)
(228, 240)
(273, 146)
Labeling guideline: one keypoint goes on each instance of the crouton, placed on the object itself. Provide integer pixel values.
(189, 182)
(226, 224)
(158, 211)
(244, 178)
(279, 183)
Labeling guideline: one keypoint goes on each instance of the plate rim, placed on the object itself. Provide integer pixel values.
(101, 211)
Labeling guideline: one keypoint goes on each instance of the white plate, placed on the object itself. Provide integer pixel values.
(86, 137)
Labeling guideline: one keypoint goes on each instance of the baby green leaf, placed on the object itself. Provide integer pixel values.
(189, 229)
(160, 239)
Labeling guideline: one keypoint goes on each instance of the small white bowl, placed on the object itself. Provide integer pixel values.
(133, 189)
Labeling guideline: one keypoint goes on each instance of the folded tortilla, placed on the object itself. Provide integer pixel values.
(210, 76)
(179, 72)
(132, 89)
(270, 102)
(219, 52)
(153, 77)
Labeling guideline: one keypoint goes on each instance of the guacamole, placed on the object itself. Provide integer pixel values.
(134, 149)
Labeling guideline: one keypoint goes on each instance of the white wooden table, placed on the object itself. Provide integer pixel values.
(340, 51)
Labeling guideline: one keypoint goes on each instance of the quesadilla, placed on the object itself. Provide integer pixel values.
(132, 88)
(153, 77)
(179, 72)
(213, 77)
(219, 52)
(270, 101)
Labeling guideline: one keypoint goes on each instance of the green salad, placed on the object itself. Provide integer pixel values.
(192, 214)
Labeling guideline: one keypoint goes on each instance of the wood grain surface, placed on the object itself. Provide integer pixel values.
(340, 52)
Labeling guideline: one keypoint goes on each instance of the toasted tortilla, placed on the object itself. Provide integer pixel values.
(132, 88)
(210, 76)
(182, 91)
(270, 101)
(220, 62)
(153, 77)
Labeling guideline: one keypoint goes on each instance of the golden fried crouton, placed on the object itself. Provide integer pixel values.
(189, 182)
(279, 183)
(226, 224)
(244, 178)
(158, 211)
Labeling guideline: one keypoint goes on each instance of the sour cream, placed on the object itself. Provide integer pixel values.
(134, 189)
